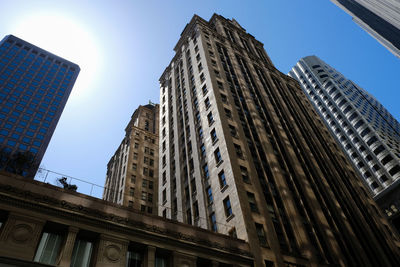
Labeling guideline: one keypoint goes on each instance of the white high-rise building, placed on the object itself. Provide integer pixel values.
(380, 18)
(367, 132)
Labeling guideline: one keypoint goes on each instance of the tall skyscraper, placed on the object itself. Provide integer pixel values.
(34, 88)
(243, 153)
(366, 131)
(380, 18)
(132, 173)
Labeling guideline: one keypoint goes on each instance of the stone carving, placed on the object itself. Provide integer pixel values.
(21, 233)
(112, 253)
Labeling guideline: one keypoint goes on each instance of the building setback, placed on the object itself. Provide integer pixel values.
(365, 130)
(34, 88)
(132, 172)
(380, 18)
(243, 153)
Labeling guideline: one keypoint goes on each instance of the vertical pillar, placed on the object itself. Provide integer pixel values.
(66, 253)
(183, 260)
(150, 256)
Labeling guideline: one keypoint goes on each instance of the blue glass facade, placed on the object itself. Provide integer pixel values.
(34, 88)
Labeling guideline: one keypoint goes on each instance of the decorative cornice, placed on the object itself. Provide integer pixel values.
(61, 208)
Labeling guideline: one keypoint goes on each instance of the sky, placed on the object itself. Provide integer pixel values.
(123, 47)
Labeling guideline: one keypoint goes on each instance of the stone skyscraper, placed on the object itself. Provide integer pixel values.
(380, 18)
(242, 152)
(366, 131)
(132, 173)
(34, 88)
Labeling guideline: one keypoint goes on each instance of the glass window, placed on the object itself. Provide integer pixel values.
(252, 202)
(261, 234)
(134, 259)
(213, 220)
(227, 206)
(213, 135)
(217, 155)
(222, 180)
(82, 253)
(49, 248)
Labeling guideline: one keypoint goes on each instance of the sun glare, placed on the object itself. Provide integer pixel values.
(64, 37)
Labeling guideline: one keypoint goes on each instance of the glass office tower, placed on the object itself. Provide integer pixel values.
(34, 88)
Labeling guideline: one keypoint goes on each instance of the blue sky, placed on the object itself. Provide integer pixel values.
(124, 46)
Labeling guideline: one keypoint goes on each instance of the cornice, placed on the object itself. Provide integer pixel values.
(26, 199)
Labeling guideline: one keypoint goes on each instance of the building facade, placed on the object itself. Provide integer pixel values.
(243, 153)
(380, 18)
(132, 172)
(51, 226)
(365, 130)
(34, 88)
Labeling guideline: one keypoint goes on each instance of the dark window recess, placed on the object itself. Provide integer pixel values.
(394, 170)
(379, 149)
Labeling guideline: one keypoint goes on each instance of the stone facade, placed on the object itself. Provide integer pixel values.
(30, 209)
(132, 172)
(243, 153)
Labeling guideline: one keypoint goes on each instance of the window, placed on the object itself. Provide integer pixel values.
(222, 180)
(164, 195)
(204, 89)
(144, 195)
(82, 252)
(134, 166)
(224, 98)
(210, 118)
(227, 207)
(372, 140)
(379, 149)
(136, 145)
(213, 134)
(386, 159)
(213, 221)
(50, 244)
(132, 191)
(145, 171)
(252, 202)
(150, 197)
(205, 171)
(144, 183)
(261, 234)
(134, 258)
(202, 78)
(203, 150)
(209, 195)
(217, 156)
(238, 150)
(228, 113)
(133, 179)
(207, 103)
(232, 130)
(196, 210)
(245, 174)
(151, 185)
(394, 170)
